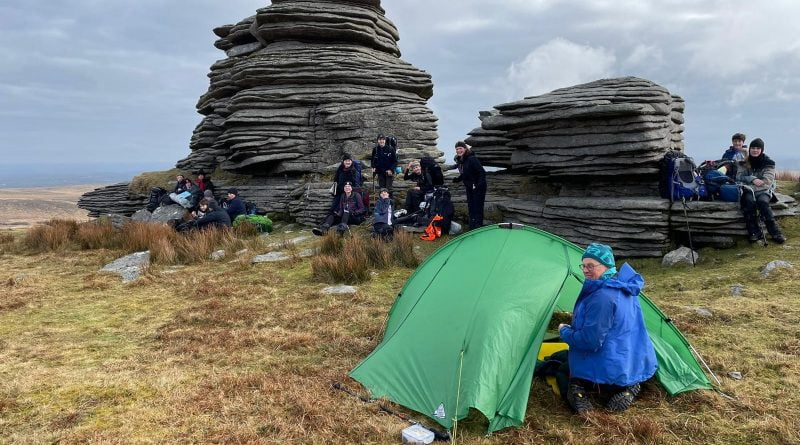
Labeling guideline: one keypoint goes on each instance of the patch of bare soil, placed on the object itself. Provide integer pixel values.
(25, 207)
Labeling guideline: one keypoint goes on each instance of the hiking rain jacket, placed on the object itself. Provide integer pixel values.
(746, 174)
(608, 341)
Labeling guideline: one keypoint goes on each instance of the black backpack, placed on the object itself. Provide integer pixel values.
(438, 203)
(391, 141)
(433, 170)
(156, 193)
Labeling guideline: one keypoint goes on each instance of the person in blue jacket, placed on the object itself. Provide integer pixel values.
(610, 352)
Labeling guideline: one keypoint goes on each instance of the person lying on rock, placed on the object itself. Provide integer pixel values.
(383, 226)
(349, 211)
(424, 184)
(190, 195)
(610, 352)
(756, 174)
(234, 205)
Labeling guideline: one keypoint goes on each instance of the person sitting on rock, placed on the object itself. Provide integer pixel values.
(208, 214)
(349, 211)
(423, 185)
(610, 352)
(234, 205)
(756, 174)
(180, 184)
(383, 227)
(204, 182)
(384, 162)
(737, 151)
(189, 197)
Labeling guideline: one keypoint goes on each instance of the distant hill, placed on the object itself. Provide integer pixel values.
(53, 175)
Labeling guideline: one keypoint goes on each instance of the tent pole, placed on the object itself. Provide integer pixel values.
(706, 365)
(458, 396)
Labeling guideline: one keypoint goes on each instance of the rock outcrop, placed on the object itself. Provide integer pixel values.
(114, 199)
(583, 162)
(304, 81)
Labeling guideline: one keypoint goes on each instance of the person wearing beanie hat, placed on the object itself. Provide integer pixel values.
(737, 151)
(349, 170)
(756, 174)
(610, 352)
(234, 205)
(384, 163)
(472, 174)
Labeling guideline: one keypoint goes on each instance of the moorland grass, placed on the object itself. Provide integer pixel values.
(232, 352)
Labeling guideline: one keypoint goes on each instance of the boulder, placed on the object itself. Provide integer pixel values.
(167, 214)
(113, 199)
(217, 255)
(338, 290)
(775, 265)
(682, 255)
(142, 215)
(129, 267)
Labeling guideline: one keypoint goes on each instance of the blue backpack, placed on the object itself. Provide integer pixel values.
(679, 178)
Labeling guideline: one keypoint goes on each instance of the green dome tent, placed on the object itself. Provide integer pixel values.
(466, 328)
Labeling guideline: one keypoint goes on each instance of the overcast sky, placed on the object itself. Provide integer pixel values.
(110, 82)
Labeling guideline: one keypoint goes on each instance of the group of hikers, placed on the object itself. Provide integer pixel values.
(198, 198)
(350, 203)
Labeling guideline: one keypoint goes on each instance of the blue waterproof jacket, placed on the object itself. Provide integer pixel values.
(608, 341)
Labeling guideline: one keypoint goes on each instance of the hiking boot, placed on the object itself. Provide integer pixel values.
(341, 228)
(755, 237)
(622, 400)
(578, 399)
(321, 230)
(775, 231)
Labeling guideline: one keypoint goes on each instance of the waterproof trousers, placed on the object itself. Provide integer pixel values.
(476, 195)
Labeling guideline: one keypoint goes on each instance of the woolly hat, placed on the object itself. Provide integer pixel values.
(757, 142)
(461, 144)
(346, 156)
(380, 136)
(601, 253)
(233, 191)
(383, 190)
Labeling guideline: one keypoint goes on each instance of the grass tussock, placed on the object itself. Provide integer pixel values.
(165, 245)
(350, 259)
(6, 238)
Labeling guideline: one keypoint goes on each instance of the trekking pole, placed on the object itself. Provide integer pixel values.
(688, 229)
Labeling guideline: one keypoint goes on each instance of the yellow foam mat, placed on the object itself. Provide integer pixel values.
(548, 349)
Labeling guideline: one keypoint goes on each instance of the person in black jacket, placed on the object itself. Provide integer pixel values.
(213, 215)
(349, 211)
(384, 161)
(424, 184)
(473, 176)
(235, 206)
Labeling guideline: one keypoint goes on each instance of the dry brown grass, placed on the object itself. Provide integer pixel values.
(54, 235)
(788, 175)
(240, 354)
(96, 235)
(349, 259)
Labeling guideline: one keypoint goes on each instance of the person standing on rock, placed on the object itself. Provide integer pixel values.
(472, 174)
(756, 174)
(384, 163)
(610, 352)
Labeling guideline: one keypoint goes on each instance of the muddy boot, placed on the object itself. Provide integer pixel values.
(622, 400)
(321, 230)
(775, 231)
(578, 399)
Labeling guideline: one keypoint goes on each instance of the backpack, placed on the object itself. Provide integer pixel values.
(679, 179)
(439, 204)
(431, 168)
(250, 208)
(714, 180)
(391, 141)
(359, 177)
(156, 193)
